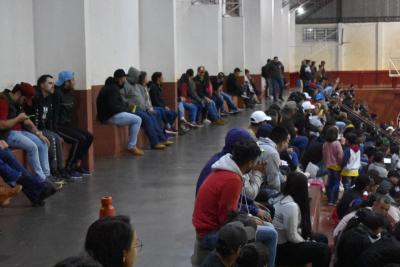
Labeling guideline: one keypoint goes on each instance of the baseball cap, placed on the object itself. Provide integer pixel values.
(119, 73)
(390, 129)
(235, 234)
(259, 116)
(28, 91)
(307, 95)
(63, 76)
(307, 105)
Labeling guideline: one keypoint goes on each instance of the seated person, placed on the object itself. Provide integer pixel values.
(206, 104)
(234, 88)
(231, 238)
(7, 193)
(20, 132)
(358, 237)
(271, 146)
(135, 93)
(112, 109)
(250, 88)
(78, 262)
(79, 139)
(16, 176)
(184, 100)
(113, 242)
(353, 197)
(219, 195)
(257, 119)
(390, 185)
(253, 255)
(383, 252)
(168, 116)
(297, 245)
(381, 205)
(44, 111)
(219, 96)
(378, 164)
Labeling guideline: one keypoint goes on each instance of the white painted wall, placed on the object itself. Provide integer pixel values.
(366, 46)
(267, 23)
(16, 45)
(114, 37)
(233, 43)
(199, 37)
(157, 26)
(60, 38)
(252, 26)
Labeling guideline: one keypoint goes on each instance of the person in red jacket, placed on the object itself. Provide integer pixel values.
(219, 195)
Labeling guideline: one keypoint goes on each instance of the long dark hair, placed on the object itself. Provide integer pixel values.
(297, 187)
(108, 238)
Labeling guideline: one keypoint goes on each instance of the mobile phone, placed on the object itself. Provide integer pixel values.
(387, 160)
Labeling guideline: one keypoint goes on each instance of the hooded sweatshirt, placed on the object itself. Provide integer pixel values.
(135, 94)
(218, 196)
(270, 154)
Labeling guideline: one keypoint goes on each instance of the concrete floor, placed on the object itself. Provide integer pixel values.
(156, 191)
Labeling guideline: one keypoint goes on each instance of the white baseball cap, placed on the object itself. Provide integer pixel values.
(307, 95)
(259, 116)
(307, 105)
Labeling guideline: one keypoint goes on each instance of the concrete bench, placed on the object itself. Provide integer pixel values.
(111, 140)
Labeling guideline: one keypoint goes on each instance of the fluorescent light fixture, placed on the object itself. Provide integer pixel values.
(300, 10)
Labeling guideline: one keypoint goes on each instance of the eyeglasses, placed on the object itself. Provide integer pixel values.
(138, 244)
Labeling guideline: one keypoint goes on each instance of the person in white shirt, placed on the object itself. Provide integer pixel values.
(297, 245)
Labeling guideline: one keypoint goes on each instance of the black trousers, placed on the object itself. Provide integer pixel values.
(80, 141)
(317, 253)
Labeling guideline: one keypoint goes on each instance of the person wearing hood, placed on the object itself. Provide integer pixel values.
(351, 159)
(79, 139)
(168, 116)
(221, 165)
(136, 95)
(112, 109)
(277, 142)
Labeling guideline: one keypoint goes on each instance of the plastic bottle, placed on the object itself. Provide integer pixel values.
(107, 209)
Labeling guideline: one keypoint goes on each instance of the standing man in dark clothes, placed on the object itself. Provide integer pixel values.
(267, 76)
(277, 76)
(155, 91)
(112, 109)
(79, 139)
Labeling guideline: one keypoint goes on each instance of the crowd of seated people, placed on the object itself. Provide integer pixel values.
(38, 119)
(261, 179)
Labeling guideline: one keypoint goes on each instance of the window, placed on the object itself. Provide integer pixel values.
(320, 34)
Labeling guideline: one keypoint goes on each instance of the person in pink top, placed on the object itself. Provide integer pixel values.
(333, 155)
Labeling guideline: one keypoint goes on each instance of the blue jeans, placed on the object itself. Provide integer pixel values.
(132, 120)
(168, 116)
(332, 188)
(229, 101)
(192, 111)
(265, 234)
(152, 127)
(212, 111)
(277, 88)
(11, 171)
(301, 142)
(36, 150)
(219, 102)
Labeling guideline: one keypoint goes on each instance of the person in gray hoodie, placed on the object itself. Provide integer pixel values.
(136, 95)
(271, 146)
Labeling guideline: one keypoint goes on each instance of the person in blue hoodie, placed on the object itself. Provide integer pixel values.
(265, 232)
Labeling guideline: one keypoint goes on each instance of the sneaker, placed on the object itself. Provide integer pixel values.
(168, 143)
(74, 174)
(136, 151)
(160, 146)
(224, 114)
(244, 96)
(170, 131)
(83, 171)
(56, 180)
(219, 122)
(64, 175)
(234, 112)
(206, 121)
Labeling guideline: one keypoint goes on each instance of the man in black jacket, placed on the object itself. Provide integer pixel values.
(168, 116)
(79, 139)
(45, 118)
(112, 109)
(234, 88)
